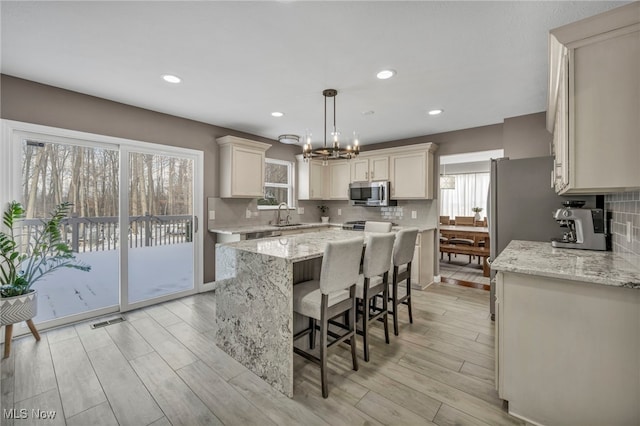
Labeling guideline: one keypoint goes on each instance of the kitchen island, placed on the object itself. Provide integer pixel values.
(254, 298)
(568, 335)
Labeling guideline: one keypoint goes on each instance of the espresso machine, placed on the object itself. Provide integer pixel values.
(586, 227)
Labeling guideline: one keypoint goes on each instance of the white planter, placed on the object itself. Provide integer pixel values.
(324, 219)
(18, 308)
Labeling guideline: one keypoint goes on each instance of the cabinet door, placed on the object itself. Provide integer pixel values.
(248, 172)
(339, 178)
(415, 267)
(604, 148)
(316, 180)
(310, 180)
(409, 175)
(360, 170)
(379, 168)
(560, 134)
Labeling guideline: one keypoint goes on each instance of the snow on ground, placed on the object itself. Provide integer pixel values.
(153, 271)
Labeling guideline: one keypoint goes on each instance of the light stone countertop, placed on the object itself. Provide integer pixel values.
(247, 229)
(296, 247)
(540, 258)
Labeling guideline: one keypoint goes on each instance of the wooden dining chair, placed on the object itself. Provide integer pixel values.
(333, 295)
(465, 220)
(445, 220)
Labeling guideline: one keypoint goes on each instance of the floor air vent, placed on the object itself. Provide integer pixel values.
(108, 322)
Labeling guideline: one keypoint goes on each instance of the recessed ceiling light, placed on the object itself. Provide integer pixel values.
(436, 111)
(385, 74)
(277, 114)
(171, 78)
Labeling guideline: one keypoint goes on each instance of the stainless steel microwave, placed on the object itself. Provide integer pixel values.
(370, 194)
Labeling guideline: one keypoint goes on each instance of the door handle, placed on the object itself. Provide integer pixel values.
(195, 220)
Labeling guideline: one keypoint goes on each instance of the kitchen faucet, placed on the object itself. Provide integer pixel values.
(279, 221)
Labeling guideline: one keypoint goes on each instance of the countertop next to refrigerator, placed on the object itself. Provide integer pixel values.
(539, 258)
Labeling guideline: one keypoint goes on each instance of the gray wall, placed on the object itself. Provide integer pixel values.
(520, 137)
(24, 100)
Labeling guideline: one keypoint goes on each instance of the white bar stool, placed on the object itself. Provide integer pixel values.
(333, 295)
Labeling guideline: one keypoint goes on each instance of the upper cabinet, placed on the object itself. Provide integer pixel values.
(311, 179)
(339, 179)
(594, 102)
(411, 172)
(370, 168)
(408, 168)
(241, 167)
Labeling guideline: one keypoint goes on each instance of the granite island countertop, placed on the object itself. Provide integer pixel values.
(295, 247)
(247, 229)
(540, 258)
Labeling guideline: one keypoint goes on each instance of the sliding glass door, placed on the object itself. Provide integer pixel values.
(87, 175)
(160, 226)
(133, 218)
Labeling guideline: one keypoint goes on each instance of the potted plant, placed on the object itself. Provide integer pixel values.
(25, 259)
(324, 209)
(477, 211)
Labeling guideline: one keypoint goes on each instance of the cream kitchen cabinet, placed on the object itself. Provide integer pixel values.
(423, 260)
(311, 180)
(241, 163)
(339, 178)
(370, 168)
(567, 352)
(411, 173)
(594, 102)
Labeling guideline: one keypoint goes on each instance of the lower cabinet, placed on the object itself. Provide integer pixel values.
(303, 231)
(568, 352)
(423, 259)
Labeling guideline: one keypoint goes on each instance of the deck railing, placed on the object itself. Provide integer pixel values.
(87, 234)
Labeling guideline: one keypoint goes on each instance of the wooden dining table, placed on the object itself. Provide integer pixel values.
(477, 234)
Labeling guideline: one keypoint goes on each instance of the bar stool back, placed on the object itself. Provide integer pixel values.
(333, 295)
(371, 226)
(403, 249)
(374, 281)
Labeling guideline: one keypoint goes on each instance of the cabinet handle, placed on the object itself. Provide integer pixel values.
(559, 170)
(371, 175)
(366, 175)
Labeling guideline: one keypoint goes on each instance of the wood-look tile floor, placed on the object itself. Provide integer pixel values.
(461, 269)
(161, 367)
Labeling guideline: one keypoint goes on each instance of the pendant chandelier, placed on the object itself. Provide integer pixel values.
(334, 152)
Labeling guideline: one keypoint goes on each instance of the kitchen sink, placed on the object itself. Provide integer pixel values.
(284, 225)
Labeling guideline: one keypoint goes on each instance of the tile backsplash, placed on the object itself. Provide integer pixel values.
(625, 207)
(241, 212)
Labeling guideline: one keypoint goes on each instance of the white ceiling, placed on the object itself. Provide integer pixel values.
(479, 61)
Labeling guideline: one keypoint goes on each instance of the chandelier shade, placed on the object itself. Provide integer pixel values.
(447, 181)
(335, 151)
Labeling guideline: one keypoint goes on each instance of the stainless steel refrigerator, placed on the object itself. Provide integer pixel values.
(520, 205)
